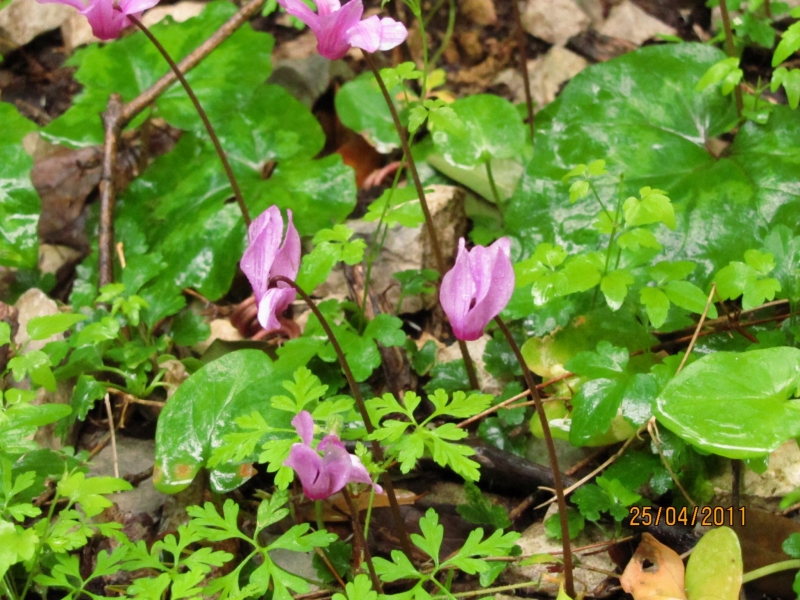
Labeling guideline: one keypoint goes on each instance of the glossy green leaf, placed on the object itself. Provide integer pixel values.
(739, 405)
(714, 570)
(223, 81)
(656, 304)
(19, 203)
(41, 328)
(362, 108)
(689, 296)
(493, 129)
(203, 410)
(87, 391)
(789, 44)
(640, 112)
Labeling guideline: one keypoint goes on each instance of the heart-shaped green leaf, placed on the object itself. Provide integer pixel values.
(203, 410)
(739, 405)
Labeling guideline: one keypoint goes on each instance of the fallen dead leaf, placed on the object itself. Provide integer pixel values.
(655, 572)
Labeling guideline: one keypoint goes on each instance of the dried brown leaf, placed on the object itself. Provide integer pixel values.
(655, 572)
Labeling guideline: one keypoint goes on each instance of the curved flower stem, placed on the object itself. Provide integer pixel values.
(362, 541)
(551, 451)
(377, 451)
(237, 192)
(412, 166)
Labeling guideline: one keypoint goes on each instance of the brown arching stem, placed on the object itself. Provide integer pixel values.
(237, 192)
(377, 451)
(569, 584)
(431, 228)
(523, 67)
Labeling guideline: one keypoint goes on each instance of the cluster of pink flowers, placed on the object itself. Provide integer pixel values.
(337, 28)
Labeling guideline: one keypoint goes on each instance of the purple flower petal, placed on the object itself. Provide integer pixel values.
(326, 7)
(359, 474)
(264, 236)
(457, 291)
(298, 8)
(287, 258)
(304, 424)
(377, 34)
(336, 464)
(477, 288)
(332, 30)
(266, 257)
(323, 476)
(106, 21)
(273, 303)
(131, 7)
(309, 468)
(73, 3)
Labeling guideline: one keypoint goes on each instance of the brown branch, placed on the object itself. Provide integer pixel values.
(143, 100)
(112, 125)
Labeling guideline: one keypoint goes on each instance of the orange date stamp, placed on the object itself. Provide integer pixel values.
(706, 516)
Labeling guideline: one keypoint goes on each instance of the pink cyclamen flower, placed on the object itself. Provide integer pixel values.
(323, 476)
(107, 17)
(265, 258)
(339, 27)
(477, 288)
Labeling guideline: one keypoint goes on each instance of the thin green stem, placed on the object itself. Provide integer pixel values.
(377, 451)
(448, 34)
(431, 228)
(493, 185)
(600, 201)
(777, 567)
(42, 541)
(494, 590)
(730, 50)
(373, 252)
(558, 483)
(203, 117)
(424, 36)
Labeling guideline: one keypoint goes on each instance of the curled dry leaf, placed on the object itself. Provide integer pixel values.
(655, 572)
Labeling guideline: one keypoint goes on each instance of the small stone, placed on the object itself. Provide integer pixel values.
(629, 22)
(34, 303)
(554, 21)
(221, 329)
(23, 20)
(534, 540)
(546, 74)
(180, 12)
